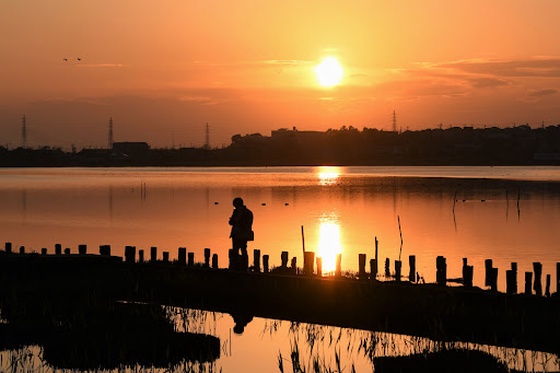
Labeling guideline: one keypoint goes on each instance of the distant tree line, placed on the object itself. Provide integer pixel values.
(518, 145)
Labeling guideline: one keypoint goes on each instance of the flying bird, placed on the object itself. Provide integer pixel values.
(79, 59)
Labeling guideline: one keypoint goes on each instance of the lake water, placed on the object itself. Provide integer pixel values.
(507, 214)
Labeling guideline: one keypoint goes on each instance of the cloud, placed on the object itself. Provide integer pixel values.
(548, 67)
(96, 65)
(542, 92)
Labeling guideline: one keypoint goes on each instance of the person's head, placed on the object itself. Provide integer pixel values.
(237, 202)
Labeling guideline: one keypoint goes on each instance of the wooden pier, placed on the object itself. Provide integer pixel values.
(527, 320)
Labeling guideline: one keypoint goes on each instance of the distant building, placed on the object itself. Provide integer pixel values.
(131, 148)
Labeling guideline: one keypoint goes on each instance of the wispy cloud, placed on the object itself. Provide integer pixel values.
(100, 65)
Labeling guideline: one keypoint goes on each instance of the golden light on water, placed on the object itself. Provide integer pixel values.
(328, 175)
(329, 244)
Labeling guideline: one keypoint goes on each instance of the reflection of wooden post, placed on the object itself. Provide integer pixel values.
(153, 254)
(398, 266)
(528, 282)
(265, 263)
(207, 257)
(412, 271)
(537, 285)
(308, 262)
(319, 263)
(284, 258)
(362, 267)
(182, 256)
(190, 261)
(82, 249)
(256, 260)
(215, 261)
(338, 270)
(373, 269)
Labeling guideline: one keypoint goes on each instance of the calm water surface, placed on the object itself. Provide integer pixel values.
(507, 214)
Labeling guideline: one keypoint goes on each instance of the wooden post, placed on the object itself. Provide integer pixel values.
(284, 258)
(494, 279)
(537, 285)
(558, 278)
(387, 267)
(441, 271)
(412, 265)
(487, 272)
(8, 247)
(308, 262)
(58, 249)
(398, 267)
(293, 265)
(376, 257)
(153, 254)
(165, 256)
(44, 251)
(547, 289)
(190, 260)
(66, 251)
(130, 254)
(207, 257)
(182, 256)
(140, 256)
(468, 276)
(82, 249)
(319, 263)
(105, 250)
(362, 275)
(256, 260)
(22, 249)
(373, 269)
(511, 279)
(528, 282)
(265, 263)
(215, 261)
(338, 270)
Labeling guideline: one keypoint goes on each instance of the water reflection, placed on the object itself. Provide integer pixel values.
(328, 175)
(329, 242)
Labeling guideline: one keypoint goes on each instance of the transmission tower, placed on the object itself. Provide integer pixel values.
(394, 121)
(23, 132)
(207, 141)
(110, 143)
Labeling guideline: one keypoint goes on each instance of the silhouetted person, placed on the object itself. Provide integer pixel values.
(241, 222)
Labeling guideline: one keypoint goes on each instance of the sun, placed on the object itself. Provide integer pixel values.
(329, 72)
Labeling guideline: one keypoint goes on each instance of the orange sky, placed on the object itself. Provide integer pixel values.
(164, 69)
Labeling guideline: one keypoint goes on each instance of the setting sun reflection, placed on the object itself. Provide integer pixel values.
(328, 175)
(329, 244)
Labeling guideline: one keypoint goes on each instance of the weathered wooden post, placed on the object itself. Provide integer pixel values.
(338, 270)
(387, 267)
(487, 272)
(82, 249)
(153, 254)
(412, 266)
(537, 285)
(130, 254)
(558, 278)
(494, 279)
(547, 289)
(308, 262)
(511, 279)
(284, 259)
(182, 256)
(190, 260)
(165, 255)
(441, 271)
(8, 247)
(398, 267)
(373, 269)
(67, 251)
(215, 261)
(528, 282)
(141, 256)
(468, 272)
(207, 257)
(293, 265)
(265, 263)
(44, 251)
(362, 275)
(22, 249)
(58, 249)
(319, 262)
(256, 260)
(376, 256)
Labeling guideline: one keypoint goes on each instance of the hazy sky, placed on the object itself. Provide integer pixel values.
(163, 69)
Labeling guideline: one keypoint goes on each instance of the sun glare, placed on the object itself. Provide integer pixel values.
(329, 72)
(329, 244)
